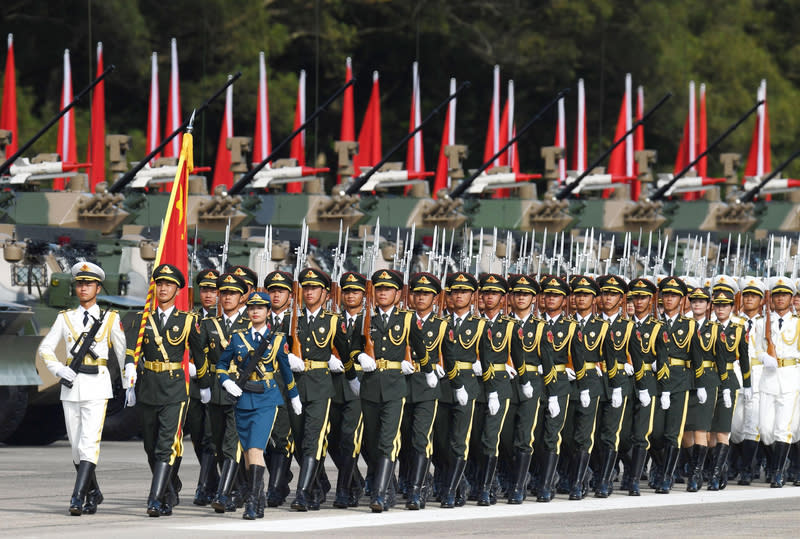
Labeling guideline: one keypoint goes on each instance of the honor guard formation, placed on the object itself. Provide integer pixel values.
(515, 385)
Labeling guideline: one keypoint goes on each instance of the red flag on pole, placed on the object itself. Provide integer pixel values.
(262, 145)
(67, 141)
(173, 104)
(759, 158)
(442, 179)
(348, 129)
(415, 156)
(153, 117)
(96, 154)
(638, 144)
(173, 243)
(492, 143)
(8, 113)
(369, 138)
(620, 164)
(506, 133)
(223, 175)
(687, 149)
(298, 150)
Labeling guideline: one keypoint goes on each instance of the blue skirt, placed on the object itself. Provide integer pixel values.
(255, 426)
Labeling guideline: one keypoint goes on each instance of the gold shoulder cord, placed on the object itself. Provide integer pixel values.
(469, 344)
(437, 341)
(625, 338)
(536, 339)
(106, 334)
(566, 340)
(406, 329)
(707, 348)
(506, 340)
(327, 339)
(222, 340)
(591, 348)
(159, 340)
(688, 338)
(735, 346)
(69, 325)
(796, 334)
(187, 326)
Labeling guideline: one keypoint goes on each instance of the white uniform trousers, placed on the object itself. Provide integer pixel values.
(746, 413)
(84, 420)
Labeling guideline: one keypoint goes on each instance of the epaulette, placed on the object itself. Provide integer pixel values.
(326, 311)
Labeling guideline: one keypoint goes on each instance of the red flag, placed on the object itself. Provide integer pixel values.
(369, 138)
(620, 164)
(442, 179)
(702, 135)
(759, 158)
(262, 145)
(96, 154)
(8, 113)
(173, 244)
(223, 175)
(67, 145)
(638, 143)
(505, 134)
(688, 147)
(415, 156)
(579, 157)
(492, 143)
(561, 141)
(153, 118)
(298, 150)
(173, 104)
(348, 128)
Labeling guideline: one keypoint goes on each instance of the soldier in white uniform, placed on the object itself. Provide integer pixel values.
(779, 379)
(85, 401)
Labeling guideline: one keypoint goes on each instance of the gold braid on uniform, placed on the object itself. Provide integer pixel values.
(706, 348)
(187, 326)
(330, 333)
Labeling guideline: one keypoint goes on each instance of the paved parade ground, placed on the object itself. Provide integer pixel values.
(36, 483)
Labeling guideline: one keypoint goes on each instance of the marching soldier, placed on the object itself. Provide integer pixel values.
(85, 392)
(556, 350)
(744, 427)
(346, 426)
(162, 388)
(197, 421)
(779, 379)
(214, 335)
(523, 413)
(676, 378)
(703, 399)
(617, 401)
(465, 366)
(383, 389)
(732, 348)
(279, 287)
(423, 400)
(647, 347)
(258, 396)
(319, 333)
(250, 278)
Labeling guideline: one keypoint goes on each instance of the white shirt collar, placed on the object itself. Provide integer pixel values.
(640, 320)
(553, 319)
(423, 319)
(262, 331)
(232, 319)
(381, 312)
(166, 313)
(315, 313)
(612, 318)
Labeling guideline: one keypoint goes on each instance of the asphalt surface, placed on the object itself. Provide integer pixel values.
(36, 483)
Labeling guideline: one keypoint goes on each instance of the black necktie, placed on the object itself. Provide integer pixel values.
(458, 323)
(161, 319)
(780, 324)
(85, 317)
(749, 325)
(228, 325)
(310, 319)
(349, 323)
(385, 318)
(257, 337)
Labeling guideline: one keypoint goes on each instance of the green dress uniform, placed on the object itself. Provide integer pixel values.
(556, 351)
(462, 349)
(162, 389)
(732, 347)
(423, 401)
(675, 378)
(214, 335)
(384, 390)
(523, 412)
(647, 347)
(318, 334)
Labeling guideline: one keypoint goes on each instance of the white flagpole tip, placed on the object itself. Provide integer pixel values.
(99, 47)
(374, 76)
(191, 122)
(10, 39)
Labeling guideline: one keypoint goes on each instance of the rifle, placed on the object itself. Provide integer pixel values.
(768, 301)
(659, 194)
(83, 347)
(253, 359)
(4, 168)
(369, 294)
(299, 264)
(126, 178)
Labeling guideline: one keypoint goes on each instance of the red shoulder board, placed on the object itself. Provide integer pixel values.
(550, 336)
(666, 337)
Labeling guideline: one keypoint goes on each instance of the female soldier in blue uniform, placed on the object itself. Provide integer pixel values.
(259, 398)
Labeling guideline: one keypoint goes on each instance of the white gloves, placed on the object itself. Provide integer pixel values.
(654, 366)
(477, 369)
(406, 367)
(512, 372)
(570, 374)
(726, 398)
(335, 364)
(628, 369)
(431, 379)
(205, 395)
(493, 403)
(598, 369)
(355, 386)
(367, 362)
(296, 363)
(585, 398)
(192, 370)
(701, 395)
(665, 400)
(129, 377)
(768, 361)
(553, 406)
(297, 406)
(231, 387)
(616, 397)
(527, 390)
(540, 369)
(644, 397)
(439, 371)
(748, 393)
(130, 397)
(461, 396)
(66, 373)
